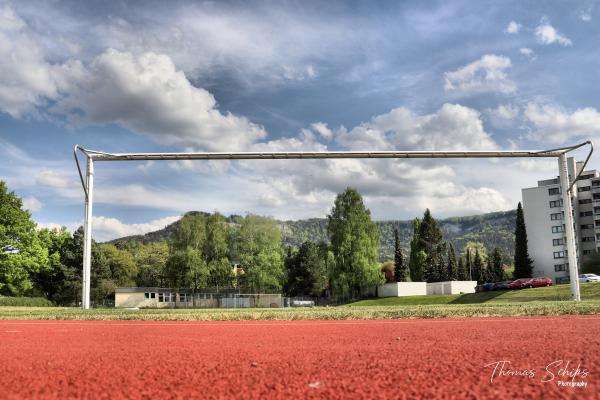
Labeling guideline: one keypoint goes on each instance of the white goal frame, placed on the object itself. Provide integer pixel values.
(560, 153)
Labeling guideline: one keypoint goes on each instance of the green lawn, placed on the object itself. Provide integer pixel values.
(528, 302)
(589, 291)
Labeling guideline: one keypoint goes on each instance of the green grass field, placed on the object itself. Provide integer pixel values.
(528, 302)
(589, 291)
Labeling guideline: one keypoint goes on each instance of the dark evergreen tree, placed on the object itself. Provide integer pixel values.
(400, 267)
(435, 267)
(477, 267)
(462, 271)
(469, 265)
(452, 269)
(417, 259)
(430, 235)
(497, 271)
(523, 264)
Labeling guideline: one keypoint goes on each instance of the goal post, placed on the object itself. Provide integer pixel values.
(560, 153)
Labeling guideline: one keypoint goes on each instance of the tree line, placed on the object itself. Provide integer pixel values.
(203, 250)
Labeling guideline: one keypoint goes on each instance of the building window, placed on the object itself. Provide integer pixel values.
(587, 226)
(586, 213)
(588, 239)
(558, 242)
(587, 176)
(560, 267)
(556, 203)
(585, 201)
(560, 254)
(185, 297)
(553, 191)
(587, 252)
(584, 189)
(146, 296)
(595, 183)
(557, 229)
(555, 216)
(161, 298)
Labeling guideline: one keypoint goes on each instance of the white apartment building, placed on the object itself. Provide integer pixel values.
(544, 221)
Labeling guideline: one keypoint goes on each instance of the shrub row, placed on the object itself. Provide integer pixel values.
(25, 302)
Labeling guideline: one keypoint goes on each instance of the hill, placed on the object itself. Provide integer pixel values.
(492, 229)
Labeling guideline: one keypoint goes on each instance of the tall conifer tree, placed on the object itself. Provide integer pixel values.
(523, 263)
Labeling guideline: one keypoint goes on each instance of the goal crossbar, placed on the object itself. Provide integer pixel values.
(560, 153)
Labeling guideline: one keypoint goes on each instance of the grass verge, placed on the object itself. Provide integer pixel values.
(589, 291)
(317, 313)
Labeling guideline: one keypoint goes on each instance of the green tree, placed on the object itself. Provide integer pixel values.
(452, 270)
(259, 251)
(497, 271)
(479, 247)
(401, 272)
(523, 264)
(477, 267)
(462, 274)
(151, 259)
(186, 265)
(50, 282)
(22, 254)
(306, 271)
(592, 264)
(122, 269)
(430, 235)
(354, 239)
(216, 251)
(417, 255)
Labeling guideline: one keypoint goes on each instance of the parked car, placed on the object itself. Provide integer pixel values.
(502, 285)
(540, 282)
(521, 283)
(479, 288)
(589, 278)
(488, 286)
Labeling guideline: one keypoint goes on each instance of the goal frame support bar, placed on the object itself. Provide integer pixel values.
(93, 156)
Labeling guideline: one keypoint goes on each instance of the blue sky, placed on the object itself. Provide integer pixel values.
(221, 76)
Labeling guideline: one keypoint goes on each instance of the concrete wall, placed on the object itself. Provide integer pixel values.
(451, 287)
(129, 299)
(399, 289)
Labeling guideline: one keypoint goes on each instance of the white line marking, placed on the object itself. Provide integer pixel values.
(282, 322)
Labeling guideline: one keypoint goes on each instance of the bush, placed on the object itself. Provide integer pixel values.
(25, 302)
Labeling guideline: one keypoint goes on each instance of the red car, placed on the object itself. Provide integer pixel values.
(540, 282)
(521, 283)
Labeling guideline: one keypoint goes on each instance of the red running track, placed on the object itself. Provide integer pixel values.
(399, 359)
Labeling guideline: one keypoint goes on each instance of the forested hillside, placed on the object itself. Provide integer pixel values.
(493, 230)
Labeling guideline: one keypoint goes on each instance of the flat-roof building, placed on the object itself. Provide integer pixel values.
(544, 221)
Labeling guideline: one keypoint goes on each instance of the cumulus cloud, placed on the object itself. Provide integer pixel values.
(32, 204)
(148, 94)
(527, 52)
(105, 228)
(452, 127)
(26, 79)
(513, 27)
(506, 111)
(53, 179)
(553, 123)
(547, 34)
(488, 74)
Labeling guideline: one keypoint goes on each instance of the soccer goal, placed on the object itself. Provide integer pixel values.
(560, 153)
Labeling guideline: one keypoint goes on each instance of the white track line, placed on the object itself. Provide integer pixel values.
(278, 323)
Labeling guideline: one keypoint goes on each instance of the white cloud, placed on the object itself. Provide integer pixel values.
(487, 74)
(111, 228)
(148, 95)
(25, 78)
(527, 52)
(32, 204)
(322, 129)
(53, 179)
(513, 27)
(554, 124)
(506, 111)
(547, 34)
(452, 127)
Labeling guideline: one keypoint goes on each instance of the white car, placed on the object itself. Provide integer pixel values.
(589, 278)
